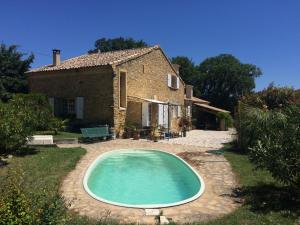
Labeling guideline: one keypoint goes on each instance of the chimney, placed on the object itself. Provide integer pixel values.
(176, 67)
(189, 91)
(56, 57)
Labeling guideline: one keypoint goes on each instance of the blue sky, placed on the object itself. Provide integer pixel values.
(262, 32)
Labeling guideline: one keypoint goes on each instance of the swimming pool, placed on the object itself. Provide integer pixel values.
(142, 178)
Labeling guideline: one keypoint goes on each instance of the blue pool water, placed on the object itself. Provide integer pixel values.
(142, 178)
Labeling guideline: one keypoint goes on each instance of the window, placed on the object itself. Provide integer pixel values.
(123, 90)
(69, 106)
(173, 81)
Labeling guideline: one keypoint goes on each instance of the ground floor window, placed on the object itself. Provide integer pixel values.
(68, 106)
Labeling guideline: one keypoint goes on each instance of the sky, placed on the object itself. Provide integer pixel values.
(261, 32)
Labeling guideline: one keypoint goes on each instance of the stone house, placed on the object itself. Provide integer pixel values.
(136, 86)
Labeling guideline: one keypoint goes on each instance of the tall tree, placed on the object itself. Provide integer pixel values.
(224, 79)
(106, 45)
(187, 69)
(13, 65)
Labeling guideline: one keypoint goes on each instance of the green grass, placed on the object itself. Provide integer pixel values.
(41, 172)
(266, 202)
(61, 134)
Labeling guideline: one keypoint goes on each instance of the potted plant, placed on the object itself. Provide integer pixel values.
(127, 131)
(155, 133)
(136, 133)
(184, 123)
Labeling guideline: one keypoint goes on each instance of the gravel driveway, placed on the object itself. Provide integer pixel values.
(204, 138)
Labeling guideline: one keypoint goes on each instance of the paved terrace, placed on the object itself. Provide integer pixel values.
(216, 201)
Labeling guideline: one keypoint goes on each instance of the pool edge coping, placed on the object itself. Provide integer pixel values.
(150, 206)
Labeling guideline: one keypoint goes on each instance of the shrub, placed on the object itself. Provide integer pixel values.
(20, 118)
(275, 143)
(35, 109)
(14, 204)
(36, 208)
(226, 117)
(56, 125)
(14, 127)
(272, 97)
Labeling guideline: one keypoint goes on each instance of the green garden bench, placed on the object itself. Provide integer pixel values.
(95, 133)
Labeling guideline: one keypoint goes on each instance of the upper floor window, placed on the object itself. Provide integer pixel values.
(123, 90)
(173, 81)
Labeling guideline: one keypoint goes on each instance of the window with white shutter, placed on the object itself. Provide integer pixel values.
(179, 110)
(51, 103)
(145, 114)
(79, 106)
(188, 111)
(173, 81)
(169, 80)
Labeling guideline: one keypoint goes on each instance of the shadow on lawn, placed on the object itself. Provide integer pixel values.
(264, 198)
(25, 151)
(20, 152)
(267, 197)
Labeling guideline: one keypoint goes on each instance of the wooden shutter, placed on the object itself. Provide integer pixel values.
(145, 114)
(179, 110)
(79, 104)
(161, 114)
(169, 80)
(188, 111)
(177, 83)
(51, 103)
(166, 115)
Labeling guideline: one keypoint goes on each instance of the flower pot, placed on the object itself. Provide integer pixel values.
(136, 136)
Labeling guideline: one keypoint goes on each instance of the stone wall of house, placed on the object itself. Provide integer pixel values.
(147, 77)
(94, 84)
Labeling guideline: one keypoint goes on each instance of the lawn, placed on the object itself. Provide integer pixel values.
(266, 202)
(38, 176)
(42, 171)
(60, 135)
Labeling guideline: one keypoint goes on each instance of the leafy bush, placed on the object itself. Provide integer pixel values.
(20, 207)
(21, 117)
(14, 204)
(272, 97)
(14, 127)
(275, 143)
(56, 125)
(268, 125)
(226, 117)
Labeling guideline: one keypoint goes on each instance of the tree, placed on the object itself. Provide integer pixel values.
(187, 69)
(12, 69)
(224, 79)
(106, 45)
(20, 117)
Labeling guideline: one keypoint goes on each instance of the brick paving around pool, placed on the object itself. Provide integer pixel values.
(217, 200)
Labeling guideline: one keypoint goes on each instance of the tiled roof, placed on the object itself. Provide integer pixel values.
(98, 59)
